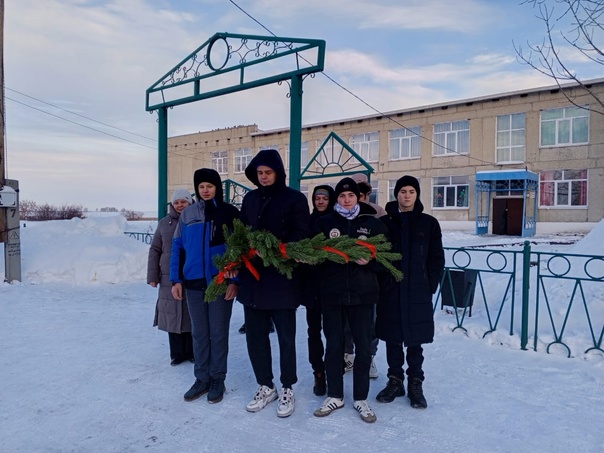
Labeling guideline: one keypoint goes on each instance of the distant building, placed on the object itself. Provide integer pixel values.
(535, 132)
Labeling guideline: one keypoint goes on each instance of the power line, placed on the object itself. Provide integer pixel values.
(452, 151)
(79, 124)
(81, 116)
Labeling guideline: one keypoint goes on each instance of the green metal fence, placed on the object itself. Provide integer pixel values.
(556, 311)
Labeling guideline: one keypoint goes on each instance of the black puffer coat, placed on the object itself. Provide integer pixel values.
(350, 284)
(284, 212)
(405, 312)
(310, 275)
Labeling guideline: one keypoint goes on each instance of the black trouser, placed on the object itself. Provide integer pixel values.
(181, 345)
(316, 350)
(360, 320)
(257, 335)
(395, 355)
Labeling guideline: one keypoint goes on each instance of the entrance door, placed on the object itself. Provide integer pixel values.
(507, 216)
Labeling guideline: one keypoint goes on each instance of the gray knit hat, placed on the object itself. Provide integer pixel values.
(182, 194)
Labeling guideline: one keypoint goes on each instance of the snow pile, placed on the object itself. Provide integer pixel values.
(81, 251)
(592, 244)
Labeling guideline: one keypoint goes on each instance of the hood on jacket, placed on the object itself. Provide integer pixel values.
(331, 195)
(208, 175)
(270, 158)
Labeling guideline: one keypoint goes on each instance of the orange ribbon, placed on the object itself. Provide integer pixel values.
(283, 250)
(229, 267)
(248, 264)
(337, 252)
(369, 246)
(220, 278)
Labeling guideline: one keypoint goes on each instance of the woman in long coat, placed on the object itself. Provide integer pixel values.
(405, 312)
(171, 315)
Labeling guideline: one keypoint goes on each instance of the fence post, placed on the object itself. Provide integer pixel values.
(526, 275)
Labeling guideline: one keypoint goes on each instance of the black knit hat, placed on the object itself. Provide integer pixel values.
(347, 185)
(208, 175)
(406, 181)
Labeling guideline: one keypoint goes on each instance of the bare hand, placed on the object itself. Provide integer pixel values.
(231, 274)
(177, 291)
(231, 291)
(154, 284)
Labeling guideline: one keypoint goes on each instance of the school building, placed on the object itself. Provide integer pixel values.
(505, 161)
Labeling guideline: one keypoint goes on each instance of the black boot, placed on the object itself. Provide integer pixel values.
(320, 387)
(416, 394)
(393, 389)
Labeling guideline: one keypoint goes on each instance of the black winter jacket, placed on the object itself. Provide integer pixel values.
(405, 311)
(350, 283)
(284, 212)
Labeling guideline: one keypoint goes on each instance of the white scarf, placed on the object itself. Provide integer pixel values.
(348, 213)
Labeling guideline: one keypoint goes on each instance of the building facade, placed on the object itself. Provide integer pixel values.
(557, 134)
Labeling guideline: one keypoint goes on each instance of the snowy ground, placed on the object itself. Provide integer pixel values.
(83, 370)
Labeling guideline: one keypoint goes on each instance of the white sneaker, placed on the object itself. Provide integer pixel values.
(329, 405)
(367, 414)
(373, 371)
(286, 403)
(263, 396)
(348, 362)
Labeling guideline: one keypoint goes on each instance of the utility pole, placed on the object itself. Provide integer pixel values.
(10, 233)
(2, 123)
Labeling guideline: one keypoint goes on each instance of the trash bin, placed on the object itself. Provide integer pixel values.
(464, 284)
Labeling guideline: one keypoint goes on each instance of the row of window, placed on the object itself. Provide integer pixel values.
(557, 188)
(563, 126)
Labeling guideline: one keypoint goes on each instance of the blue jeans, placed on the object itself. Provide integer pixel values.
(210, 330)
(257, 331)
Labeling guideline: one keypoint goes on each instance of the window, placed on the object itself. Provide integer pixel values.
(367, 146)
(509, 187)
(391, 186)
(220, 162)
(405, 143)
(567, 126)
(511, 134)
(304, 189)
(303, 156)
(373, 196)
(450, 192)
(243, 156)
(563, 188)
(451, 138)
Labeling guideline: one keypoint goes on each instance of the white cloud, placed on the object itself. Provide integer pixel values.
(439, 15)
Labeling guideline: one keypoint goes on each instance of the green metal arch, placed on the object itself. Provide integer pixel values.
(201, 75)
(344, 160)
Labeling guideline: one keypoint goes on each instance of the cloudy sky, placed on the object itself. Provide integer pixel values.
(76, 72)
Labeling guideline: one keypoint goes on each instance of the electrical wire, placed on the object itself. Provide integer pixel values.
(79, 124)
(451, 151)
(81, 116)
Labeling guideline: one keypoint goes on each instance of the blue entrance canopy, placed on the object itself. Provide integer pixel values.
(488, 182)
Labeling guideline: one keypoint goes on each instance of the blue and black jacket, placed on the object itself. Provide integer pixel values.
(199, 236)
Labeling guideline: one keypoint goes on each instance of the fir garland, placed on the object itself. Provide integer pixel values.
(243, 244)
